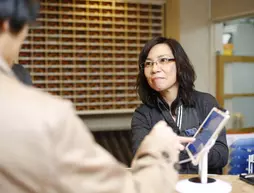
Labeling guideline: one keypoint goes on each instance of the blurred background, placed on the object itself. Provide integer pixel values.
(87, 51)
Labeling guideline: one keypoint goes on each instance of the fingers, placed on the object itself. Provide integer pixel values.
(182, 140)
(180, 147)
(163, 126)
(161, 129)
(186, 139)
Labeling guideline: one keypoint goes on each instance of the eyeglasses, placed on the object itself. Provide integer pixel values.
(161, 61)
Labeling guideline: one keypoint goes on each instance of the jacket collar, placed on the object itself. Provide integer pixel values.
(163, 105)
(4, 68)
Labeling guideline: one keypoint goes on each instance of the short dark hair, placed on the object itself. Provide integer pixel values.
(19, 13)
(185, 74)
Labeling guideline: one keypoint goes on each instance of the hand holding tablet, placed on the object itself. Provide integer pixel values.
(207, 134)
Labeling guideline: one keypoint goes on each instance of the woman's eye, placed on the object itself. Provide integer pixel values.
(164, 60)
(148, 63)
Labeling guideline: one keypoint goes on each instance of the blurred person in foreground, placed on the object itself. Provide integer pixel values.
(45, 147)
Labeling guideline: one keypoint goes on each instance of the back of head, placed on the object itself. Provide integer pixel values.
(18, 13)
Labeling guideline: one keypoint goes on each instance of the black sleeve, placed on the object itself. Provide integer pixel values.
(218, 155)
(139, 128)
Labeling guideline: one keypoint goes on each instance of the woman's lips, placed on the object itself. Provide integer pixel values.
(157, 78)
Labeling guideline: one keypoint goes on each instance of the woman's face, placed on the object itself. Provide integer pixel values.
(160, 68)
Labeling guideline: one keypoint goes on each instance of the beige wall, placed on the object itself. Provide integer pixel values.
(195, 37)
(228, 9)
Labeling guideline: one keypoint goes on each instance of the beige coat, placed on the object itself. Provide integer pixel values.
(46, 148)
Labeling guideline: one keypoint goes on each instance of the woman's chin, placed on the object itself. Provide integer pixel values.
(159, 89)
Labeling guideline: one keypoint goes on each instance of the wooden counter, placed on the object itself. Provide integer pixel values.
(238, 186)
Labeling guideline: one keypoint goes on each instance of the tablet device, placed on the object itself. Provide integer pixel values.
(207, 133)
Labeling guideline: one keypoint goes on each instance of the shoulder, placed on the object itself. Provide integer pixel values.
(141, 113)
(146, 114)
(25, 101)
(146, 110)
(143, 108)
(204, 98)
(204, 103)
(54, 106)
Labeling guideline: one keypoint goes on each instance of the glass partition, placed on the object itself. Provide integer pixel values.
(235, 90)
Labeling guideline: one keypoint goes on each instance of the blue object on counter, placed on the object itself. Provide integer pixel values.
(238, 158)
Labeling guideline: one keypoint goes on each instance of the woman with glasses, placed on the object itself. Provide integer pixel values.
(165, 85)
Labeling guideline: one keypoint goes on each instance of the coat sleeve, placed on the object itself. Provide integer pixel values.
(218, 155)
(139, 129)
(83, 166)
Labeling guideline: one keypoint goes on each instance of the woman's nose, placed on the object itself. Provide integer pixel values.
(155, 67)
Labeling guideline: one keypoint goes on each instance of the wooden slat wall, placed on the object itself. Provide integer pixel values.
(87, 51)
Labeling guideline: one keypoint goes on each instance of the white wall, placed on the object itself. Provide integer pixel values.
(243, 40)
(195, 39)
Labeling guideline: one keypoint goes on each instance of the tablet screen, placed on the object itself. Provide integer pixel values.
(205, 133)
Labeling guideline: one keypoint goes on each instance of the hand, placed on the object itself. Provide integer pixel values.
(184, 140)
(162, 130)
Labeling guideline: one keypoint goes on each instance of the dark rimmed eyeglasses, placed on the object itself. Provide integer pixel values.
(161, 61)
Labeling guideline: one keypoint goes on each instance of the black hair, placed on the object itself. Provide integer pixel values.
(185, 74)
(18, 13)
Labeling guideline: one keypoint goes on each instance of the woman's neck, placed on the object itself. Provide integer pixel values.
(4, 51)
(170, 94)
(6, 61)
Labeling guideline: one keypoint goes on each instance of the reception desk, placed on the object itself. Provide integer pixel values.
(238, 186)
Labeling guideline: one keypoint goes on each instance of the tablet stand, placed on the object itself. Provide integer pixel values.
(251, 164)
(203, 184)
